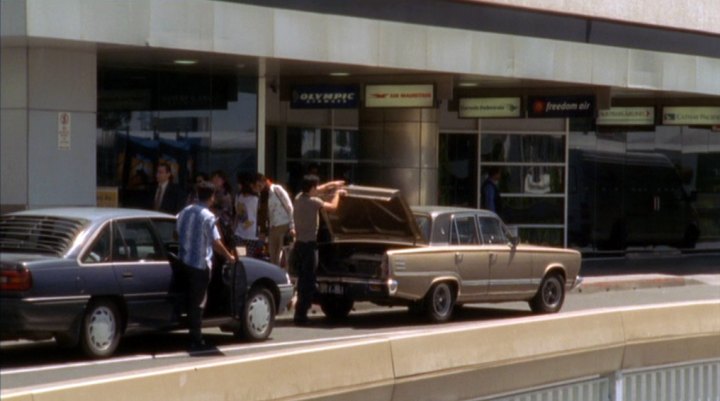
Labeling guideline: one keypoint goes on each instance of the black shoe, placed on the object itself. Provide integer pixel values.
(199, 346)
(302, 321)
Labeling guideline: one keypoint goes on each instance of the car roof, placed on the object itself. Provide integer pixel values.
(439, 210)
(90, 213)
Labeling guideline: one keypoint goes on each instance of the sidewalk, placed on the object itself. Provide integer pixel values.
(649, 271)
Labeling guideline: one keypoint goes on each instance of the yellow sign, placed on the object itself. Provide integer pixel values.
(107, 197)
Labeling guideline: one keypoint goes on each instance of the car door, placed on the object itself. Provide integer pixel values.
(470, 259)
(510, 270)
(144, 274)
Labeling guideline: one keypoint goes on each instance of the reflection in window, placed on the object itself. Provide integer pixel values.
(465, 232)
(99, 252)
(346, 145)
(492, 231)
(517, 148)
(148, 116)
(139, 241)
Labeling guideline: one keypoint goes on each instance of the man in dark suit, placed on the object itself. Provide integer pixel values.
(168, 197)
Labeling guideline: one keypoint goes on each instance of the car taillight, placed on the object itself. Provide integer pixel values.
(18, 279)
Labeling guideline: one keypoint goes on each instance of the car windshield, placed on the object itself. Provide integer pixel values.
(38, 234)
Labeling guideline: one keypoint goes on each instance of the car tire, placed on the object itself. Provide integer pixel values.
(101, 329)
(550, 296)
(336, 308)
(440, 302)
(258, 317)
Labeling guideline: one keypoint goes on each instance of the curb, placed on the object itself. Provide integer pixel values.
(593, 285)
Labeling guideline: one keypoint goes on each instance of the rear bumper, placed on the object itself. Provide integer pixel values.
(37, 318)
(357, 289)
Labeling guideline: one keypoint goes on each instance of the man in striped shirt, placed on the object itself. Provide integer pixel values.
(199, 237)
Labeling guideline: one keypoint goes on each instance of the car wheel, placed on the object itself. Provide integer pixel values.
(550, 295)
(336, 308)
(258, 316)
(440, 302)
(100, 330)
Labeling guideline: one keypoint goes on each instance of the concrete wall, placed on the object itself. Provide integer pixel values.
(216, 26)
(699, 15)
(38, 83)
(453, 364)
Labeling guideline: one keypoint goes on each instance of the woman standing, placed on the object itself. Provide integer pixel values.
(246, 213)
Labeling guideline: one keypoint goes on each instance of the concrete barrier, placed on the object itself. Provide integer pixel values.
(448, 364)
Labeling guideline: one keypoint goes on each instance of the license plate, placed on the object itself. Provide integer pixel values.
(335, 289)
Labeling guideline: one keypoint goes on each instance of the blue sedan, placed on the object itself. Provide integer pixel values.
(88, 276)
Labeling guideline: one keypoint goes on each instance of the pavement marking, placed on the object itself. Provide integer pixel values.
(229, 348)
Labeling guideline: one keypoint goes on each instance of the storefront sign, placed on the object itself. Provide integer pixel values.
(627, 116)
(399, 96)
(325, 97)
(691, 115)
(64, 130)
(107, 197)
(561, 106)
(489, 107)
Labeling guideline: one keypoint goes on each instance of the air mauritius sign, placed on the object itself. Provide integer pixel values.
(399, 95)
(561, 106)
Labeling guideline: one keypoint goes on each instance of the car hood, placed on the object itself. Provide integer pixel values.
(372, 213)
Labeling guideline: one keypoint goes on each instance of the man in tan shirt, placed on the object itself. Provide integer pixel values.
(306, 218)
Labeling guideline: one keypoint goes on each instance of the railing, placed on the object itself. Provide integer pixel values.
(664, 352)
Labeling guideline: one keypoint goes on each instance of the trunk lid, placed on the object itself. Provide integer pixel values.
(372, 213)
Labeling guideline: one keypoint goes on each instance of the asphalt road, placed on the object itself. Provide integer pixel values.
(25, 364)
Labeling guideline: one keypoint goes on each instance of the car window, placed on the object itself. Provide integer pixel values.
(492, 231)
(99, 251)
(423, 223)
(165, 229)
(464, 231)
(134, 240)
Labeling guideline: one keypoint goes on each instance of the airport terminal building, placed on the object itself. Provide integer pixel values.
(603, 117)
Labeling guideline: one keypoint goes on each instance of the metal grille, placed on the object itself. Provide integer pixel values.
(42, 234)
(591, 390)
(697, 382)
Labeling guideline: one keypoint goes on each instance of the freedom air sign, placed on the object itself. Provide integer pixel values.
(399, 96)
(561, 106)
(489, 107)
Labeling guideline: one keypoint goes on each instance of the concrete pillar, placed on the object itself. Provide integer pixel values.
(398, 149)
(38, 84)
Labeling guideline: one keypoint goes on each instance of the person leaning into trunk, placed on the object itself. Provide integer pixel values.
(306, 218)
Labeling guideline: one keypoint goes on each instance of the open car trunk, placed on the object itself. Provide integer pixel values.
(368, 222)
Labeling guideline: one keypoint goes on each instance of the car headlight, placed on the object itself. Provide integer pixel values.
(392, 286)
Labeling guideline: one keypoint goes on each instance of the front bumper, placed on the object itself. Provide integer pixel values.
(286, 294)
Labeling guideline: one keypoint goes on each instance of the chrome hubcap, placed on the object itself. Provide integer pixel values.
(551, 293)
(441, 303)
(102, 327)
(259, 314)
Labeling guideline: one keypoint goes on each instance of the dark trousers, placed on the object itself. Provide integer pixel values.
(198, 281)
(304, 260)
